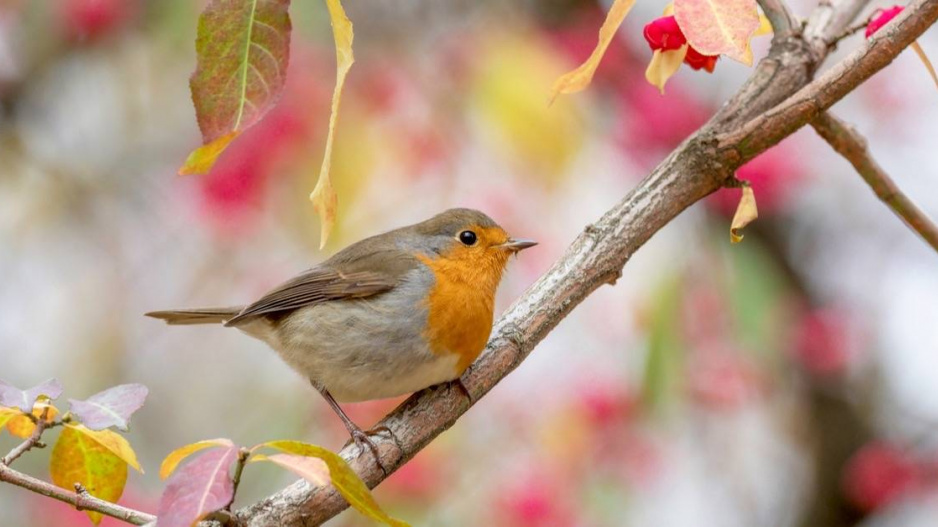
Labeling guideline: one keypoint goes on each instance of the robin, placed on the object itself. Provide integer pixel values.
(389, 315)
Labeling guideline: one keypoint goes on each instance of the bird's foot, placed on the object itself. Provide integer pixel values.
(362, 439)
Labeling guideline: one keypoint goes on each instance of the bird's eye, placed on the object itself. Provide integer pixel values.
(468, 238)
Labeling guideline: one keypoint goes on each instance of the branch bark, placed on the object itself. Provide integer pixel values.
(777, 100)
(852, 146)
(88, 502)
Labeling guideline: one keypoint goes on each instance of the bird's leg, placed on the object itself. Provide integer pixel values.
(359, 436)
(465, 391)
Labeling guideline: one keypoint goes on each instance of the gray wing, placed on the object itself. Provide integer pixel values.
(315, 286)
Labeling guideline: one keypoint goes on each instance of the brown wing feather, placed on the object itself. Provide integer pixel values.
(315, 286)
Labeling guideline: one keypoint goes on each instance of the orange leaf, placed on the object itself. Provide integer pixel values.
(719, 27)
(663, 65)
(323, 196)
(924, 58)
(746, 212)
(201, 159)
(6, 414)
(581, 77)
(78, 457)
(176, 456)
(22, 426)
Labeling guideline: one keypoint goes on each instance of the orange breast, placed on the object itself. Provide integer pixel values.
(460, 307)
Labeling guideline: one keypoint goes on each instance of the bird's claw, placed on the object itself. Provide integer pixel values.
(361, 439)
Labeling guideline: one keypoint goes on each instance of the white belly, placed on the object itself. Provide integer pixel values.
(362, 349)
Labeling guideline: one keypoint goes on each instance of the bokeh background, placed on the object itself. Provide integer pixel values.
(789, 380)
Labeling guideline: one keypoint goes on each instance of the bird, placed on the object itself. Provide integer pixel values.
(389, 315)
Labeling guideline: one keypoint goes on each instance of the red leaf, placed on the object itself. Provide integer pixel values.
(198, 489)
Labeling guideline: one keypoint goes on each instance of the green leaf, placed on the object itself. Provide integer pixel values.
(242, 48)
(344, 479)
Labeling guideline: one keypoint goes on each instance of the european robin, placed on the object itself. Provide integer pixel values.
(389, 315)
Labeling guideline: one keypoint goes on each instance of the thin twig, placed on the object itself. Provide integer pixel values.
(87, 502)
(243, 456)
(852, 146)
(33, 441)
(859, 26)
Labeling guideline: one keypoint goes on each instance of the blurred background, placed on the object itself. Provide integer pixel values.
(790, 380)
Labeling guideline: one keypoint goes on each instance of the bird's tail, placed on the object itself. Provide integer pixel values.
(209, 315)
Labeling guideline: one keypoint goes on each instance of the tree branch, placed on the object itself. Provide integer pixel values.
(86, 502)
(852, 146)
(695, 169)
(784, 23)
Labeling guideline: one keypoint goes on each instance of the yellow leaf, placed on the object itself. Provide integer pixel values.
(112, 441)
(323, 196)
(79, 457)
(765, 26)
(668, 9)
(719, 27)
(581, 77)
(201, 160)
(176, 456)
(746, 212)
(924, 58)
(22, 426)
(663, 65)
(344, 479)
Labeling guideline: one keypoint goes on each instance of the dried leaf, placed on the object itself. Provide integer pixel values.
(79, 458)
(242, 48)
(663, 65)
(719, 27)
(746, 212)
(22, 426)
(323, 196)
(176, 456)
(924, 58)
(112, 407)
(311, 469)
(581, 77)
(198, 489)
(13, 397)
(344, 479)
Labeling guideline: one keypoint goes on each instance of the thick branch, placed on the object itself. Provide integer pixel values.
(86, 501)
(852, 146)
(697, 168)
(801, 108)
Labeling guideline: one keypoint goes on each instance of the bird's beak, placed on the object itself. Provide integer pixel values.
(515, 245)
